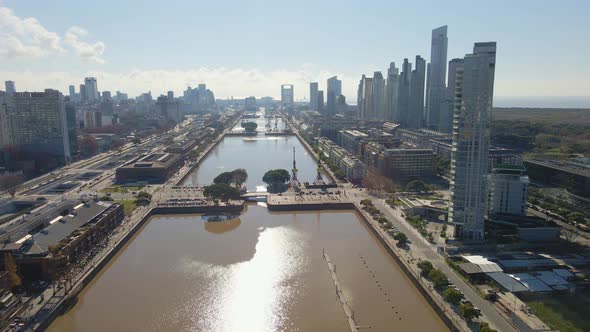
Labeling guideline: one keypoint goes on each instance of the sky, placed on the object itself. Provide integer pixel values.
(243, 48)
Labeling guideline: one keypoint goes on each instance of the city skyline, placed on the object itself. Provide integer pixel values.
(55, 49)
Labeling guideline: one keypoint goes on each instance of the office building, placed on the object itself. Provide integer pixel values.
(83, 95)
(250, 104)
(106, 96)
(10, 87)
(170, 95)
(313, 96)
(403, 94)
(72, 124)
(350, 165)
(508, 189)
(416, 100)
(350, 140)
(391, 91)
(37, 123)
(379, 98)
(151, 168)
(334, 90)
(474, 90)
(320, 107)
(91, 88)
(400, 164)
(436, 92)
(287, 94)
(365, 98)
(72, 93)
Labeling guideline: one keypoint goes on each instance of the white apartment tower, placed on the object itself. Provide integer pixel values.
(474, 90)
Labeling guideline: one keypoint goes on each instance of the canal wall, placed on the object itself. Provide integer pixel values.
(426, 293)
(311, 206)
(198, 209)
(68, 301)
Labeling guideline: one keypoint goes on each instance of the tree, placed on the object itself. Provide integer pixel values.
(276, 179)
(452, 296)
(144, 194)
(468, 311)
(438, 277)
(425, 267)
(10, 266)
(10, 183)
(106, 199)
(366, 202)
(117, 144)
(136, 140)
(88, 145)
(221, 191)
(225, 178)
(485, 327)
(416, 185)
(249, 126)
(401, 238)
(239, 176)
(576, 216)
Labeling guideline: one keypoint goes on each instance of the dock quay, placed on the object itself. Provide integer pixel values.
(292, 202)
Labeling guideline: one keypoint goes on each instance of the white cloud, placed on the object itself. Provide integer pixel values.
(26, 37)
(92, 52)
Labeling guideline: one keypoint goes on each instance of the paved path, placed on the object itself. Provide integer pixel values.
(420, 248)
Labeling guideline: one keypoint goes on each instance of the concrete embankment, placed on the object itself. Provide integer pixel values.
(311, 206)
(235, 208)
(423, 289)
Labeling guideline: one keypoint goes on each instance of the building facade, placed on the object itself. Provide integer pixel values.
(416, 101)
(287, 94)
(474, 90)
(436, 91)
(334, 89)
(508, 190)
(313, 96)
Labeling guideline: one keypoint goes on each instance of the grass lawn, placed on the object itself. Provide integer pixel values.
(120, 189)
(129, 206)
(562, 312)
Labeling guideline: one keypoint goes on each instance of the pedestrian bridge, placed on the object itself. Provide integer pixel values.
(255, 194)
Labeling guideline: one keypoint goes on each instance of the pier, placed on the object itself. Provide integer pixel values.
(347, 311)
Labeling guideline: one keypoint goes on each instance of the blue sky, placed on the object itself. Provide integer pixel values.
(242, 48)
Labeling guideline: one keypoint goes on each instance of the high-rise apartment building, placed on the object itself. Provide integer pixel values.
(334, 89)
(313, 96)
(416, 101)
(391, 91)
(379, 98)
(447, 110)
(365, 98)
(436, 93)
(474, 90)
(91, 89)
(287, 93)
(36, 122)
(10, 87)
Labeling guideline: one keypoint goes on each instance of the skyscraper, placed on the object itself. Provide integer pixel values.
(320, 107)
(91, 88)
(10, 87)
(379, 100)
(37, 123)
(72, 92)
(416, 101)
(447, 110)
(436, 93)
(365, 98)
(391, 92)
(403, 94)
(313, 96)
(170, 95)
(474, 90)
(287, 93)
(334, 90)
(83, 95)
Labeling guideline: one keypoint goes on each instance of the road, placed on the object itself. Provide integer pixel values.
(420, 248)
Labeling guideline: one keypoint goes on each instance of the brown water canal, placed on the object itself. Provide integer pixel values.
(260, 271)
